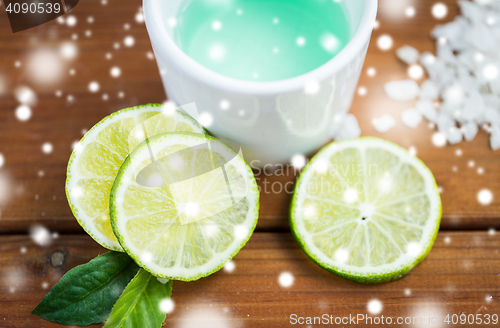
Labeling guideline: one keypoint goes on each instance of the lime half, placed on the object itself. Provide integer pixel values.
(97, 158)
(183, 205)
(366, 210)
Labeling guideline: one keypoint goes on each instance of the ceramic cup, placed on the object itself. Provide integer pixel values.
(271, 121)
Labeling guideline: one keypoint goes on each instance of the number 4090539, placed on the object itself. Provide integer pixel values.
(33, 8)
(471, 319)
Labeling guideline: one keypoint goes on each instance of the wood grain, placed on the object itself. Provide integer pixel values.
(33, 182)
(460, 275)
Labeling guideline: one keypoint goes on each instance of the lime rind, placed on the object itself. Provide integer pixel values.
(384, 273)
(252, 214)
(131, 112)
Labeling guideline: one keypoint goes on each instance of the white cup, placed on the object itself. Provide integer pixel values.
(271, 121)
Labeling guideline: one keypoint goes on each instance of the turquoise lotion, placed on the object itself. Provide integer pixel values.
(261, 40)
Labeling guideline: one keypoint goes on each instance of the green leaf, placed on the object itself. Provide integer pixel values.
(139, 304)
(86, 293)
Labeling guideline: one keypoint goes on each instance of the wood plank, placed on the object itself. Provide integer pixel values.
(460, 275)
(32, 183)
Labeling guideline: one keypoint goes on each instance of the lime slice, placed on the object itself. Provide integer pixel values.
(183, 205)
(95, 162)
(366, 210)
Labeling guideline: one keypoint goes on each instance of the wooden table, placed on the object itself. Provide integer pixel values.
(461, 274)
